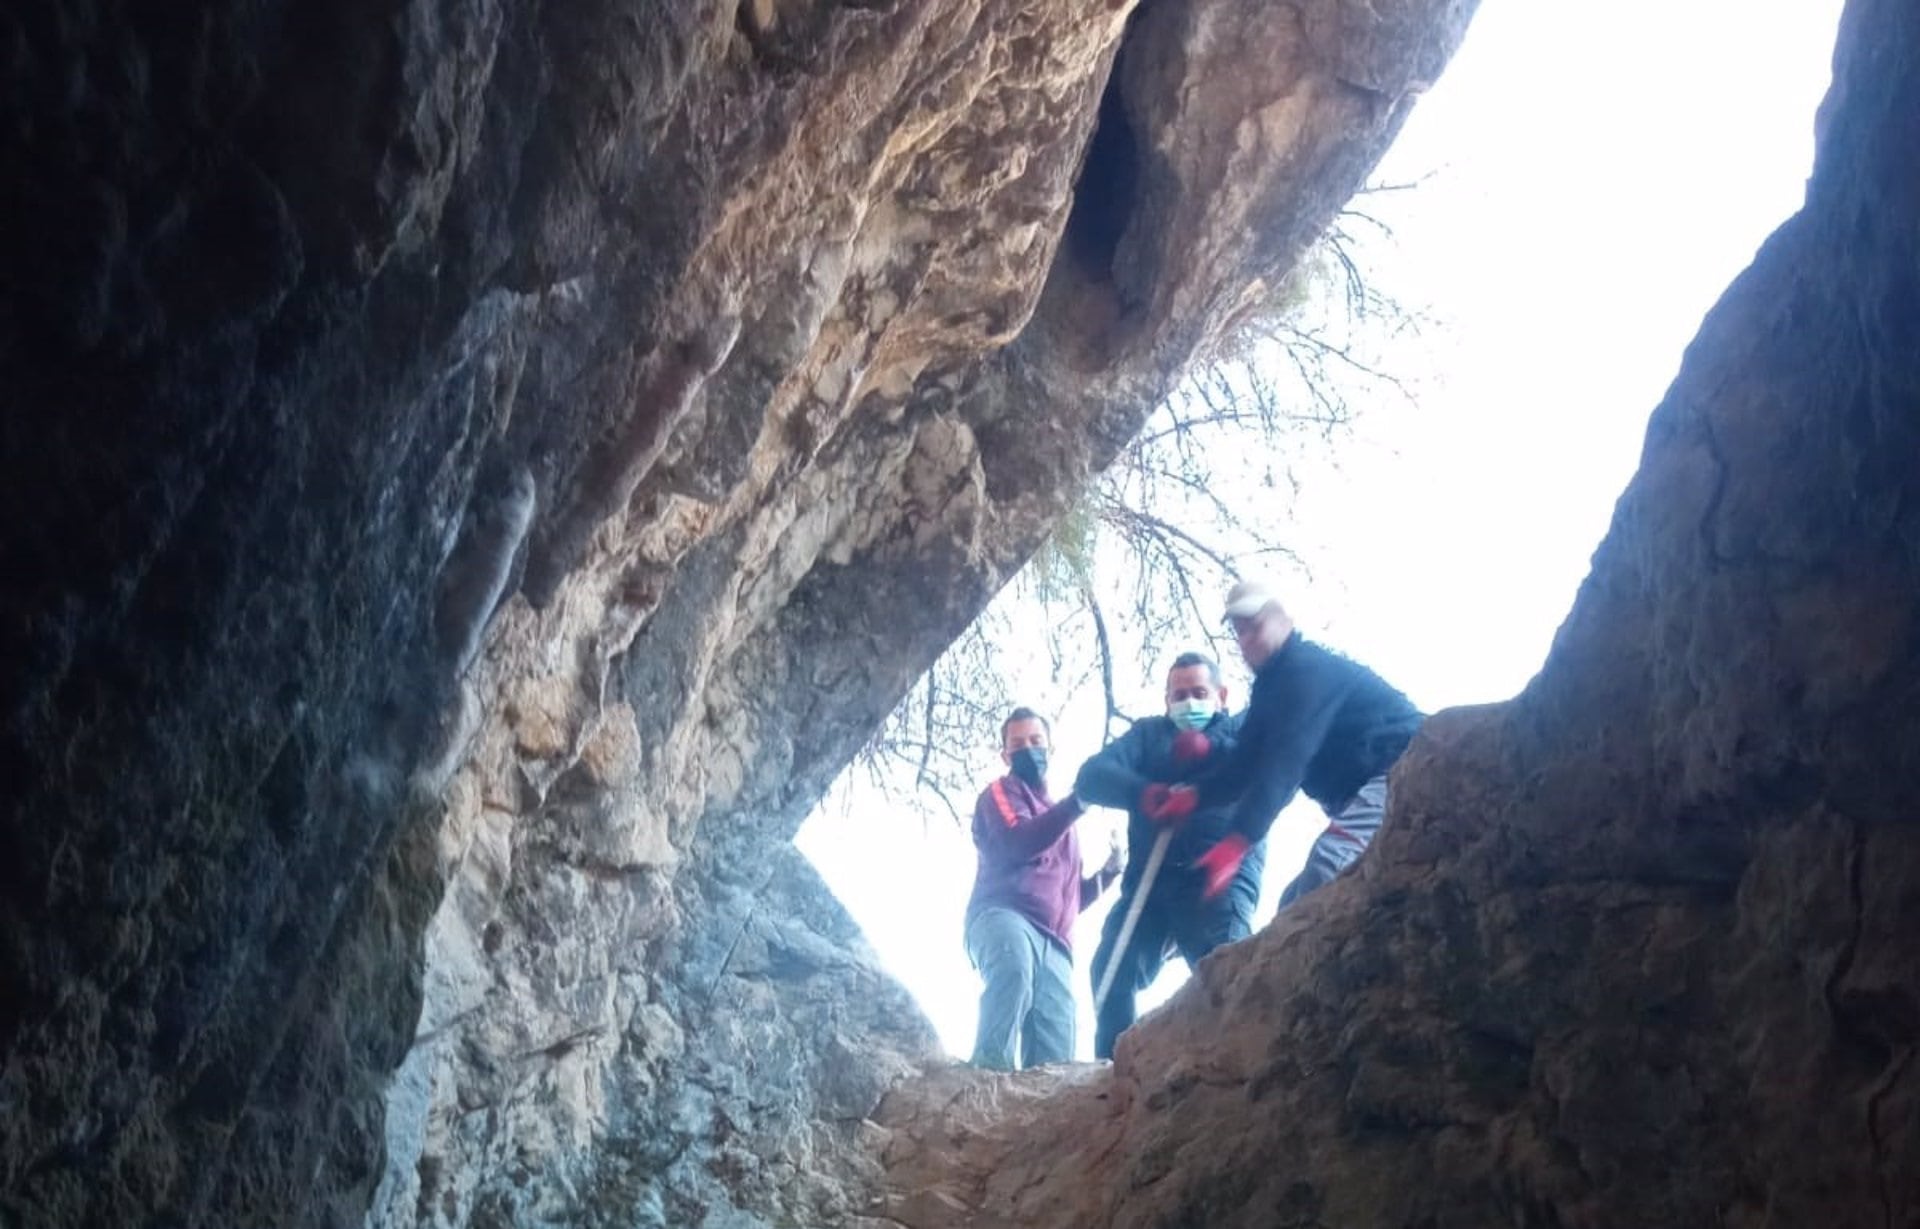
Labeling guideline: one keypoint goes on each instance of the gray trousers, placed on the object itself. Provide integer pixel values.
(1026, 1005)
(1349, 832)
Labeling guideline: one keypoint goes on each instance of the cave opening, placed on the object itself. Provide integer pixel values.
(291, 949)
(1558, 259)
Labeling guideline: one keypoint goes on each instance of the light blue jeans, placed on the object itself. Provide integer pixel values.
(1026, 1005)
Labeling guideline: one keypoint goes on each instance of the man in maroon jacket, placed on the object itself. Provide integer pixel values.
(1026, 894)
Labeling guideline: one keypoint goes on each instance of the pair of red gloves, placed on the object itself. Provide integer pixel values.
(1174, 804)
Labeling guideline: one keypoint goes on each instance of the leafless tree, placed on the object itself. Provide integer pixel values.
(1202, 495)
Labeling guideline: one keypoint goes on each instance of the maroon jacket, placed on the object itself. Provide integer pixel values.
(1030, 858)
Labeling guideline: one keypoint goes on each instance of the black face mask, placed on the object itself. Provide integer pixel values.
(1030, 765)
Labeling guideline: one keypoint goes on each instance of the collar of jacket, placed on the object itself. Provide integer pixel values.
(1293, 637)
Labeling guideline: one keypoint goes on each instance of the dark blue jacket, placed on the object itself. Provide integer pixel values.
(1141, 756)
(1315, 721)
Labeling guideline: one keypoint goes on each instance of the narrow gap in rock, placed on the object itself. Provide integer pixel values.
(1103, 199)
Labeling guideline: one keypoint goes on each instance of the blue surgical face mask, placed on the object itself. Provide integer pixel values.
(1191, 714)
(1030, 765)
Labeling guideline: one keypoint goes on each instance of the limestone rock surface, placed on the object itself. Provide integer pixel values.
(474, 470)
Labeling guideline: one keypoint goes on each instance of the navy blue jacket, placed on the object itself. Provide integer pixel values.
(1315, 721)
(1141, 756)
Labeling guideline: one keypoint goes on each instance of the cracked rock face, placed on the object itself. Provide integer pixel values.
(1638, 947)
(474, 472)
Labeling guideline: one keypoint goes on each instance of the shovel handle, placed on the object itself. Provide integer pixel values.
(1154, 859)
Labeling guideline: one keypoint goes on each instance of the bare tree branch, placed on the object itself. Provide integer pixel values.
(1140, 558)
(1106, 672)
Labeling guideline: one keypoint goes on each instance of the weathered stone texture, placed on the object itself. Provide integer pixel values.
(474, 470)
(1638, 947)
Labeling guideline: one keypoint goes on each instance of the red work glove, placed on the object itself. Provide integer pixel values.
(1191, 746)
(1221, 863)
(1168, 804)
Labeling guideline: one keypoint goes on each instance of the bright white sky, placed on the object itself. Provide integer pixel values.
(1592, 177)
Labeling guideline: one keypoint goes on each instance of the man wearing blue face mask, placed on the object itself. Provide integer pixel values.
(1026, 894)
(1131, 774)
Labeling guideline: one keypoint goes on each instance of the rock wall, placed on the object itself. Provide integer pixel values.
(475, 469)
(1636, 948)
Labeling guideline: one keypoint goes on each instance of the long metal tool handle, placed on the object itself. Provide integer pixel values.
(1154, 859)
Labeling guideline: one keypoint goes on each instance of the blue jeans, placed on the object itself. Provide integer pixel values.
(1026, 1005)
(1348, 834)
(1174, 918)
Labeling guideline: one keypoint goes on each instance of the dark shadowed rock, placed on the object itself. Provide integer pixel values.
(473, 472)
